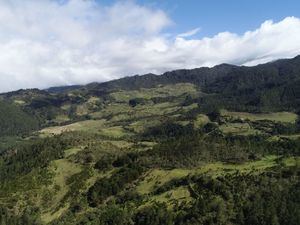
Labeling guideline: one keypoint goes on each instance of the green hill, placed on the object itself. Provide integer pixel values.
(14, 121)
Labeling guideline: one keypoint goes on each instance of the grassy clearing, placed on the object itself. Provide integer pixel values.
(87, 125)
(115, 132)
(123, 112)
(94, 100)
(157, 177)
(111, 110)
(66, 107)
(183, 122)
(50, 216)
(72, 151)
(201, 120)
(142, 125)
(292, 136)
(82, 109)
(119, 143)
(292, 161)
(120, 110)
(90, 105)
(176, 195)
(61, 119)
(284, 117)
(62, 169)
(219, 168)
(19, 102)
(162, 108)
(238, 128)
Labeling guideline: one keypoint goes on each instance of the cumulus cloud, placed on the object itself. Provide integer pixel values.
(47, 43)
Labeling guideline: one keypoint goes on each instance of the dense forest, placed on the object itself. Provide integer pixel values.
(14, 121)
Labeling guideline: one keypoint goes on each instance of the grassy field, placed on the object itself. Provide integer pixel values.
(19, 102)
(292, 161)
(62, 169)
(119, 109)
(123, 112)
(219, 168)
(142, 125)
(292, 136)
(238, 128)
(157, 177)
(115, 132)
(72, 151)
(87, 126)
(61, 119)
(171, 197)
(201, 120)
(284, 117)
(119, 143)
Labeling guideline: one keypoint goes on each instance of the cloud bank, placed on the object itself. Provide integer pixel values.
(48, 43)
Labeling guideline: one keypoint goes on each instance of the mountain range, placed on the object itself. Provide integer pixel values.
(216, 145)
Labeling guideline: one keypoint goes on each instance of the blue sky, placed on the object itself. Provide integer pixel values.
(214, 16)
(64, 42)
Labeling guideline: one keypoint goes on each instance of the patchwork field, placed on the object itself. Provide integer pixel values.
(160, 91)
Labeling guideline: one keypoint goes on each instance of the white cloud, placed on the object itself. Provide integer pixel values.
(47, 43)
(189, 33)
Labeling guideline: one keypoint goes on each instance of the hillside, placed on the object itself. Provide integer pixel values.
(214, 145)
(15, 121)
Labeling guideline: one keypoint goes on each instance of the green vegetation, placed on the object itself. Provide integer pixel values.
(167, 91)
(238, 128)
(88, 126)
(205, 146)
(14, 121)
(284, 117)
(106, 187)
(156, 177)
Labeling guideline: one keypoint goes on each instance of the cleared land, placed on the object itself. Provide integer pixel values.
(87, 126)
(284, 117)
(160, 91)
(238, 128)
(157, 177)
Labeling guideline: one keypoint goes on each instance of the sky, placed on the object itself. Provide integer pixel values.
(46, 43)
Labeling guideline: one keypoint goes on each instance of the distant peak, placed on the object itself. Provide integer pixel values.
(297, 57)
(224, 65)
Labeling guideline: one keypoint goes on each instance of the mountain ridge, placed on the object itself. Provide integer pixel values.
(199, 70)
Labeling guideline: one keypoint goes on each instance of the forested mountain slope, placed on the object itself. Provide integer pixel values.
(206, 146)
(14, 121)
(271, 86)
